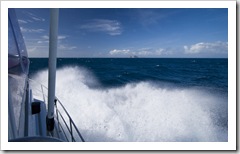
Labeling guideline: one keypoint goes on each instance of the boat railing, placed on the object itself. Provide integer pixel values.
(64, 123)
(71, 127)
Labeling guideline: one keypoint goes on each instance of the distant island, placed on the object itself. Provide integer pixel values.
(133, 56)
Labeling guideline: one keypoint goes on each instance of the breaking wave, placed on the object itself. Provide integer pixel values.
(142, 111)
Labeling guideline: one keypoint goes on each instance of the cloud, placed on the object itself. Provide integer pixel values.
(60, 37)
(34, 17)
(30, 30)
(202, 47)
(153, 52)
(143, 52)
(161, 51)
(61, 44)
(111, 27)
(42, 41)
(46, 37)
(119, 52)
(31, 49)
(66, 47)
(38, 19)
(20, 21)
(36, 50)
(149, 16)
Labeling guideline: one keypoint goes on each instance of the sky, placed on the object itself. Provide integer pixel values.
(110, 32)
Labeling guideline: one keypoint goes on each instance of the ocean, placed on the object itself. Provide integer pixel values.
(143, 99)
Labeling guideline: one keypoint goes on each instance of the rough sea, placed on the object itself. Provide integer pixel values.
(143, 99)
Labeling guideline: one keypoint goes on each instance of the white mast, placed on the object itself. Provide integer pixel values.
(53, 38)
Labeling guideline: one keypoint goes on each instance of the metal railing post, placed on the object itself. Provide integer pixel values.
(71, 128)
(59, 117)
(43, 94)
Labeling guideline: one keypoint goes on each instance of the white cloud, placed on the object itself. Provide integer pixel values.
(143, 52)
(149, 16)
(152, 52)
(30, 18)
(42, 41)
(29, 30)
(31, 49)
(61, 44)
(38, 19)
(66, 47)
(34, 17)
(46, 37)
(119, 52)
(60, 37)
(20, 21)
(202, 47)
(36, 50)
(160, 51)
(111, 27)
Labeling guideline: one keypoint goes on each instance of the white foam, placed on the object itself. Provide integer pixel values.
(139, 111)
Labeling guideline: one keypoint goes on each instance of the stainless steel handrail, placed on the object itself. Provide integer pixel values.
(71, 127)
(72, 124)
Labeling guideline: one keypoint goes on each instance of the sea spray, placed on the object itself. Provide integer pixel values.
(140, 111)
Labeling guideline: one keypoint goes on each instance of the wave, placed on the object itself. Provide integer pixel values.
(142, 111)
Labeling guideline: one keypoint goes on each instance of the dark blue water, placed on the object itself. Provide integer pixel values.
(208, 73)
(143, 99)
